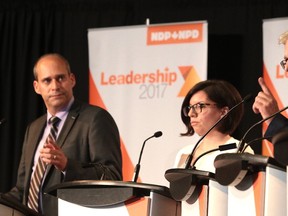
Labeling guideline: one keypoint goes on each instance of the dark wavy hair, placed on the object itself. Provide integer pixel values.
(224, 94)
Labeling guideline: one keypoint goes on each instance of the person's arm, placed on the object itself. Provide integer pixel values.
(265, 103)
(278, 123)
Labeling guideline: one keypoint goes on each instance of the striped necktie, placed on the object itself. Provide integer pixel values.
(36, 180)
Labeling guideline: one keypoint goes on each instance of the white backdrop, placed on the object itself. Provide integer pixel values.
(141, 74)
(273, 74)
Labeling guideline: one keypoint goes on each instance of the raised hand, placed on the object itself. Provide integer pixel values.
(265, 103)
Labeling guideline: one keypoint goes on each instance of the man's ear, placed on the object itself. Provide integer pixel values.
(36, 87)
(73, 79)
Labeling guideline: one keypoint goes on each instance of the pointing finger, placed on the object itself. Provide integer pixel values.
(263, 86)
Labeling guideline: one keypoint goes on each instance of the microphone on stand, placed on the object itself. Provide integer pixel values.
(242, 142)
(190, 156)
(220, 148)
(255, 140)
(137, 167)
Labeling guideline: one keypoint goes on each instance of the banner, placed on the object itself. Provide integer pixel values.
(141, 74)
(273, 74)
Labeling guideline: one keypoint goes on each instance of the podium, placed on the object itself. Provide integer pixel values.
(11, 207)
(256, 184)
(89, 197)
(199, 192)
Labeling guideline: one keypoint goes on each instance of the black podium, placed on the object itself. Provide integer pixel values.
(11, 207)
(256, 184)
(109, 198)
(186, 183)
(199, 192)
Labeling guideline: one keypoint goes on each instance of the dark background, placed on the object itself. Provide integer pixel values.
(30, 28)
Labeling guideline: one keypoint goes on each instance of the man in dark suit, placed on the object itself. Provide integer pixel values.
(266, 105)
(87, 145)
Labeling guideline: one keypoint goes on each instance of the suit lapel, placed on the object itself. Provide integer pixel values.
(71, 118)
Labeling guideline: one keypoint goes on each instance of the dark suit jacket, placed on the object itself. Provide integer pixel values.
(90, 140)
(278, 124)
(278, 129)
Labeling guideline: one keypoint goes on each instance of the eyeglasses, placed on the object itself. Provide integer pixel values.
(283, 63)
(196, 108)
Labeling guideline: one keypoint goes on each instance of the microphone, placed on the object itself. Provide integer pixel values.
(2, 121)
(242, 143)
(137, 167)
(189, 158)
(255, 140)
(220, 148)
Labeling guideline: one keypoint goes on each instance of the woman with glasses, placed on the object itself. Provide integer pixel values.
(206, 103)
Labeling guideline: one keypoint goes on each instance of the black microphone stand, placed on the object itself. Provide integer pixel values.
(220, 148)
(137, 167)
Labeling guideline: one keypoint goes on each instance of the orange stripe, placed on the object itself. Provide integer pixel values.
(270, 85)
(258, 192)
(267, 147)
(203, 200)
(138, 207)
(95, 99)
(128, 168)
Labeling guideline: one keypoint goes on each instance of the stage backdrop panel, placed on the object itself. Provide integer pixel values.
(141, 74)
(273, 74)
